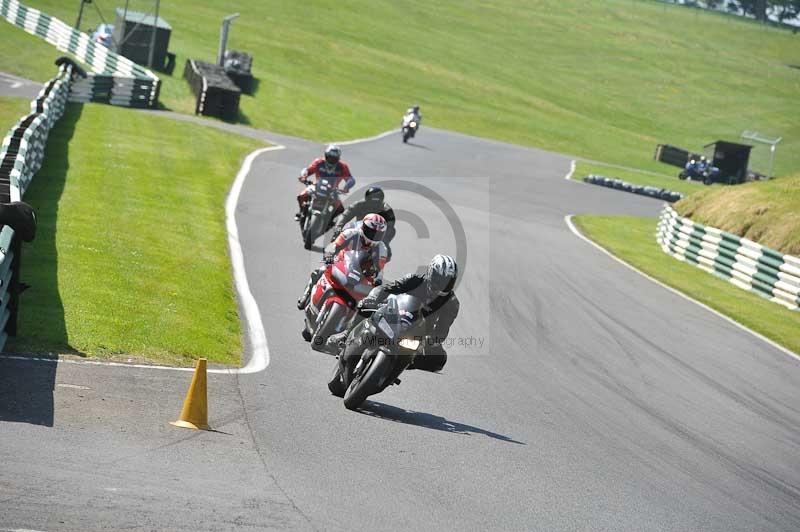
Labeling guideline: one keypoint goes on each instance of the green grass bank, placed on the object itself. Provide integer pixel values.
(131, 255)
(604, 80)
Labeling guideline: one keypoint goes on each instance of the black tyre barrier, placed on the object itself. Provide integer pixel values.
(618, 184)
(216, 94)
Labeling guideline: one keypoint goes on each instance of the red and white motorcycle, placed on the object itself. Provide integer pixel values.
(334, 297)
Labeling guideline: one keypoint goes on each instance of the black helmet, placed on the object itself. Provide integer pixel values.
(416, 108)
(332, 154)
(441, 275)
(374, 194)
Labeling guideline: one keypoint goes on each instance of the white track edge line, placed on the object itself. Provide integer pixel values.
(784, 350)
(573, 163)
(367, 139)
(259, 358)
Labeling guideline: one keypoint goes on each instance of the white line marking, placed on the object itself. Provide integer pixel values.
(259, 360)
(730, 320)
(572, 166)
(74, 386)
(11, 77)
(368, 139)
(16, 85)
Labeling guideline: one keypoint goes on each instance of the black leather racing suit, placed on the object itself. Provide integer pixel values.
(440, 313)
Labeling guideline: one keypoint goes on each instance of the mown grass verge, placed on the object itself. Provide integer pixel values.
(633, 240)
(131, 253)
(600, 80)
(11, 110)
(582, 169)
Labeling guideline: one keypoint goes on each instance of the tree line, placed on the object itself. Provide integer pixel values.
(781, 9)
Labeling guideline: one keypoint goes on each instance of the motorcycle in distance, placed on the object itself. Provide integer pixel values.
(387, 343)
(410, 127)
(334, 297)
(707, 174)
(322, 202)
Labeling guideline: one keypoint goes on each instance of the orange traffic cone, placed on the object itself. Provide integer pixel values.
(194, 414)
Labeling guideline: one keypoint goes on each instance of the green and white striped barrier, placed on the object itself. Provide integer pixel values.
(740, 261)
(22, 150)
(116, 80)
(6, 273)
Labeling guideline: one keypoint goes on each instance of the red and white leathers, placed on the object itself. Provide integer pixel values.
(351, 239)
(321, 168)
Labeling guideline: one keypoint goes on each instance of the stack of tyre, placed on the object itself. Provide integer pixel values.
(618, 184)
(216, 94)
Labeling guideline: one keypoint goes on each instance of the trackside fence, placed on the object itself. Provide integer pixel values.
(22, 150)
(21, 156)
(740, 261)
(114, 79)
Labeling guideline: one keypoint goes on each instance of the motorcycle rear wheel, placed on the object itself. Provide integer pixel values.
(367, 381)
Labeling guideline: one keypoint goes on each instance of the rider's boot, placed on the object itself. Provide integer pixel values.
(312, 280)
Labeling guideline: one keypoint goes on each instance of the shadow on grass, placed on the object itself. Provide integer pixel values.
(428, 421)
(26, 391)
(41, 317)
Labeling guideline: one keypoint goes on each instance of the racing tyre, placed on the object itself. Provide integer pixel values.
(335, 383)
(367, 381)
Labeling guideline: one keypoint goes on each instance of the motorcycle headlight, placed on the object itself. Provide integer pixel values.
(413, 124)
(409, 343)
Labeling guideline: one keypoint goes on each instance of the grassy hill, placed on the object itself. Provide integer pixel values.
(768, 213)
(605, 79)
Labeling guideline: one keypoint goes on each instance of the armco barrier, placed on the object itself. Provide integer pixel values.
(22, 150)
(745, 263)
(21, 157)
(116, 79)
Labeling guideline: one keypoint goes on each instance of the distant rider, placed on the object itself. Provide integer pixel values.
(412, 114)
(435, 288)
(367, 236)
(372, 203)
(329, 166)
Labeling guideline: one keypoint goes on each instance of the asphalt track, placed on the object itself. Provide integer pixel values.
(597, 401)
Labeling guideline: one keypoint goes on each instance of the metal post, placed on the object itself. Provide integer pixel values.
(153, 36)
(80, 15)
(223, 38)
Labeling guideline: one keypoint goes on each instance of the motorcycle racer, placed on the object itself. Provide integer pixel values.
(367, 236)
(330, 165)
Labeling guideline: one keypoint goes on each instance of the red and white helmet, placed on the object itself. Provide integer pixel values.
(373, 227)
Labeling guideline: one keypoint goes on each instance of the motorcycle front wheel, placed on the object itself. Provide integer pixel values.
(367, 381)
(336, 383)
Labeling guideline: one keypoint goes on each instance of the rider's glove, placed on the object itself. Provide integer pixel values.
(367, 303)
(327, 258)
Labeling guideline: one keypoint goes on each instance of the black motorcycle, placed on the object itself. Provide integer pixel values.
(378, 350)
(708, 174)
(319, 214)
(410, 126)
